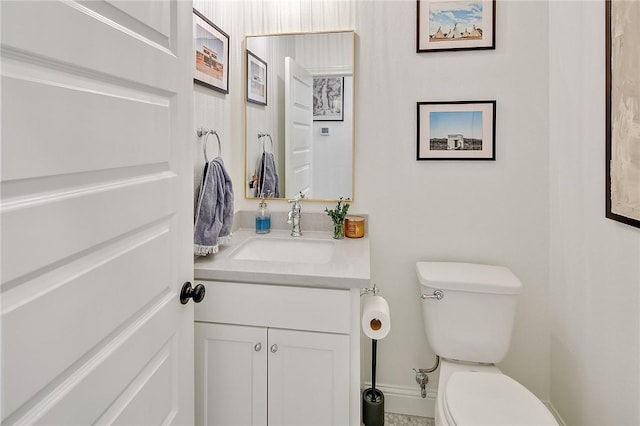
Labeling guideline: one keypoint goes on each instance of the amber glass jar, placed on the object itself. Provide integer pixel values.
(354, 226)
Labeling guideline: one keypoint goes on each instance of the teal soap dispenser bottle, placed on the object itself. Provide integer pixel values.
(263, 218)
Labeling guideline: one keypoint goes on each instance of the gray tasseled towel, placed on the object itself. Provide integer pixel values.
(268, 176)
(214, 214)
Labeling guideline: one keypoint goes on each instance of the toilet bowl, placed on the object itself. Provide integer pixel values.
(468, 312)
(482, 395)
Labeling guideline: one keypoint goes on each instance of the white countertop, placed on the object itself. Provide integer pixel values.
(348, 268)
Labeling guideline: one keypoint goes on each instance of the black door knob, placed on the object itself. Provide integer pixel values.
(188, 292)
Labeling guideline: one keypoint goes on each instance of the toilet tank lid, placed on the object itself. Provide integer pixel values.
(470, 277)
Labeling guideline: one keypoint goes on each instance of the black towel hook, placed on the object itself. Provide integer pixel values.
(206, 132)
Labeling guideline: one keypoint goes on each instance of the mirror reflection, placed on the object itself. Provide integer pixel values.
(299, 115)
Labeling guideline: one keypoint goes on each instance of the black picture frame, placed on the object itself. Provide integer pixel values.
(456, 130)
(257, 83)
(211, 54)
(328, 98)
(622, 198)
(456, 28)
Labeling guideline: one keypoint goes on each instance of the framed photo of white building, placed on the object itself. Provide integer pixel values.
(458, 130)
(256, 79)
(455, 25)
(211, 54)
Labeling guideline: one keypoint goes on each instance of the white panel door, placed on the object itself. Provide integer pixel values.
(308, 378)
(298, 116)
(231, 375)
(96, 212)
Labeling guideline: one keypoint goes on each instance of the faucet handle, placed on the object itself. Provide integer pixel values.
(296, 199)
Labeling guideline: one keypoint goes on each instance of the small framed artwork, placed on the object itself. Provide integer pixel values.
(328, 99)
(211, 52)
(622, 200)
(455, 25)
(256, 79)
(461, 130)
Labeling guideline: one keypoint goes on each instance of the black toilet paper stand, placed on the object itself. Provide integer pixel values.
(372, 398)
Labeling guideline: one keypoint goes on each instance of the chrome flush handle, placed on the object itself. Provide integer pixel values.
(437, 294)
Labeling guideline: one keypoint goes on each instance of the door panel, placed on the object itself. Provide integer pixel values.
(99, 41)
(102, 215)
(155, 15)
(104, 306)
(298, 129)
(108, 373)
(112, 133)
(132, 408)
(96, 212)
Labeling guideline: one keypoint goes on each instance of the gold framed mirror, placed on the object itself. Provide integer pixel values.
(299, 108)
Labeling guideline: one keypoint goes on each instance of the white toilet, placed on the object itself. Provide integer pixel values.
(468, 313)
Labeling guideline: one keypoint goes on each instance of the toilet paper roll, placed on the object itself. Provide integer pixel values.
(376, 321)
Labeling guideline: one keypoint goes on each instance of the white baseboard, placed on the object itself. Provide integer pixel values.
(406, 400)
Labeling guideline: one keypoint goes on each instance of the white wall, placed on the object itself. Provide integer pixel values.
(494, 212)
(595, 262)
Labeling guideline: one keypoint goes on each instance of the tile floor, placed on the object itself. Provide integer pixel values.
(392, 419)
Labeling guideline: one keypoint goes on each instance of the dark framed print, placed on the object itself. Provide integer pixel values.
(211, 52)
(455, 25)
(256, 79)
(622, 200)
(460, 130)
(328, 99)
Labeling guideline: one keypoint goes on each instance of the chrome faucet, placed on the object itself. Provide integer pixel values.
(294, 215)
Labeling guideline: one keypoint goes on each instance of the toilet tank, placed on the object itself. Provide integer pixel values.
(474, 319)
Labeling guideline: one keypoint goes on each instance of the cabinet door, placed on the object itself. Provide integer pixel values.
(308, 378)
(231, 375)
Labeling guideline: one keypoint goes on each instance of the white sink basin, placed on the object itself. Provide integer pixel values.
(285, 250)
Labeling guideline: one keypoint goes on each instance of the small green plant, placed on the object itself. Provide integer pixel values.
(340, 212)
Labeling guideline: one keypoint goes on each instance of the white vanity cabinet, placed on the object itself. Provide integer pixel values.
(276, 355)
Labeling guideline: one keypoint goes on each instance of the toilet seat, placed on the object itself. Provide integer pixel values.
(479, 398)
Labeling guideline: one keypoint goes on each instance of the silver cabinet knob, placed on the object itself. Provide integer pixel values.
(257, 347)
(274, 349)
